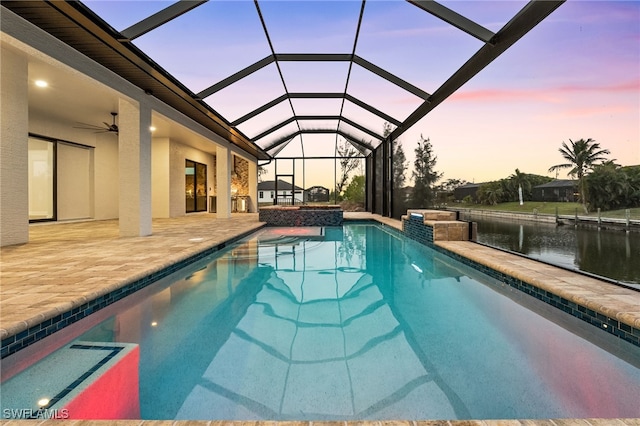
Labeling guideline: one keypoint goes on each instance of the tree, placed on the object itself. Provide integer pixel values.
(355, 190)
(581, 157)
(444, 191)
(611, 186)
(491, 193)
(345, 153)
(424, 174)
(261, 171)
(398, 174)
(520, 181)
(400, 162)
(451, 184)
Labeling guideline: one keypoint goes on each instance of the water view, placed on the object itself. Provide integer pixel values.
(608, 253)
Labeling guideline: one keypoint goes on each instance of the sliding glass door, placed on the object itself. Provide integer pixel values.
(42, 180)
(195, 186)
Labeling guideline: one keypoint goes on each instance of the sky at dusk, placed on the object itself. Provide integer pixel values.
(576, 75)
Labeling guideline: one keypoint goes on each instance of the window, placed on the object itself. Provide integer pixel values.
(261, 194)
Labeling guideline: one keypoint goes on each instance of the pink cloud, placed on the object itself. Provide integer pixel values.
(552, 95)
(596, 110)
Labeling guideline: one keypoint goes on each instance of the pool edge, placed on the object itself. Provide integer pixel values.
(27, 332)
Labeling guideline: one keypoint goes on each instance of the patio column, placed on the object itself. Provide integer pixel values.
(223, 182)
(134, 150)
(14, 150)
(253, 186)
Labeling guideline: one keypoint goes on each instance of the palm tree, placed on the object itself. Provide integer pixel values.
(523, 183)
(581, 157)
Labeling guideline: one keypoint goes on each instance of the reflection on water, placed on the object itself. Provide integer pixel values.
(356, 324)
(612, 254)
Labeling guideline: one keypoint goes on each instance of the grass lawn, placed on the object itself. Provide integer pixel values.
(546, 208)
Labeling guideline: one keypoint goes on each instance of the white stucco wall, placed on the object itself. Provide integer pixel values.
(160, 177)
(105, 176)
(14, 204)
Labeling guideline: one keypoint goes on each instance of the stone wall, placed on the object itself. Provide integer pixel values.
(240, 180)
(296, 216)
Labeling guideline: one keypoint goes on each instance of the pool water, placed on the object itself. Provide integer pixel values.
(361, 323)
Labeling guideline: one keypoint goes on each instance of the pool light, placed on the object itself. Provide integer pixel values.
(416, 267)
(42, 402)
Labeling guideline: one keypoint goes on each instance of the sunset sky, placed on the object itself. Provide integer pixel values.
(576, 75)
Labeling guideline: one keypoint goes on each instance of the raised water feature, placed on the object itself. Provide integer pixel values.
(306, 215)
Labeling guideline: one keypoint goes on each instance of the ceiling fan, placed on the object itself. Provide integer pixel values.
(107, 128)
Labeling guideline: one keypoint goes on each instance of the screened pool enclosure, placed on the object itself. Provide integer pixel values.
(290, 82)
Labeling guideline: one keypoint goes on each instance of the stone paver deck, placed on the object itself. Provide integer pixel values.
(66, 264)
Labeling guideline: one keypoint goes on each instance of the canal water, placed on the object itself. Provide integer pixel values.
(608, 253)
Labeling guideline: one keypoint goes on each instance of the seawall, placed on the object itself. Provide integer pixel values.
(588, 221)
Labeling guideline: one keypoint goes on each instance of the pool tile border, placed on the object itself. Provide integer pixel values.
(415, 229)
(31, 335)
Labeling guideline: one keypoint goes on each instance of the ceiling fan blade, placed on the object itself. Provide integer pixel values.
(86, 124)
(107, 128)
(89, 127)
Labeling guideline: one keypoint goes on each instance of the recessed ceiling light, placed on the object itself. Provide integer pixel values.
(41, 83)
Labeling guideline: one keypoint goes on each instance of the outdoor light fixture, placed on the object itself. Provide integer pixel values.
(41, 83)
(152, 128)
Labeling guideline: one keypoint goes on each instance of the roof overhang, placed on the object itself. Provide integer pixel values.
(77, 26)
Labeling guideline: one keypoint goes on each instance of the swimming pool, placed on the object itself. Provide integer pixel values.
(350, 323)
